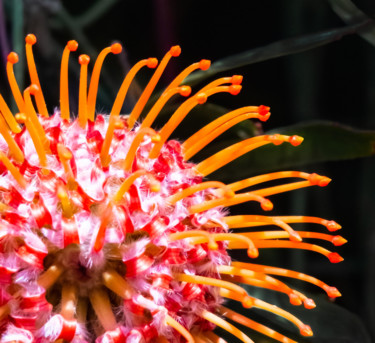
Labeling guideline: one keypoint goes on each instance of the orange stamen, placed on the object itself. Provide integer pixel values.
(13, 170)
(209, 316)
(69, 298)
(150, 63)
(185, 108)
(66, 206)
(102, 306)
(50, 276)
(14, 149)
(137, 140)
(104, 220)
(203, 139)
(72, 45)
(331, 291)
(8, 116)
(242, 320)
(34, 134)
(234, 80)
(117, 284)
(234, 151)
(167, 94)
(195, 234)
(11, 60)
(82, 106)
(173, 52)
(40, 103)
(246, 302)
(178, 327)
(65, 156)
(237, 199)
(203, 65)
(94, 81)
(332, 256)
(126, 184)
(197, 188)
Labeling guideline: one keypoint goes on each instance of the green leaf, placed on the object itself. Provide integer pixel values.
(278, 49)
(323, 141)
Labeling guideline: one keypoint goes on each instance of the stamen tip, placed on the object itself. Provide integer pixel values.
(253, 252)
(201, 98)
(338, 240)
(185, 90)
(72, 45)
(334, 257)
(12, 58)
(295, 237)
(116, 48)
(237, 79)
(33, 89)
(30, 39)
(263, 110)
(247, 302)
(306, 331)
(333, 226)
(309, 304)
(295, 140)
(294, 299)
(175, 51)
(204, 64)
(267, 205)
(319, 180)
(84, 59)
(332, 292)
(235, 89)
(152, 62)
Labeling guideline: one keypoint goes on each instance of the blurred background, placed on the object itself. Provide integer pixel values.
(311, 61)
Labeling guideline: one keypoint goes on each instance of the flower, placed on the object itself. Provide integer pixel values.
(108, 234)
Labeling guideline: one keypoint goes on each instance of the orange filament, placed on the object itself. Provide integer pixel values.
(104, 153)
(117, 284)
(335, 240)
(8, 116)
(331, 291)
(202, 280)
(30, 111)
(305, 330)
(212, 126)
(195, 234)
(332, 256)
(208, 137)
(66, 206)
(83, 60)
(282, 188)
(197, 188)
(234, 80)
(173, 52)
(329, 224)
(242, 320)
(246, 302)
(184, 109)
(14, 149)
(126, 184)
(235, 222)
(234, 151)
(252, 250)
(34, 134)
(69, 298)
(178, 327)
(237, 199)
(104, 220)
(151, 63)
(65, 156)
(209, 316)
(137, 140)
(72, 45)
(40, 103)
(203, 65)
(11, 60)
(167, 94)
(4, 311)
(13, 170)
(50, 276)
(94, 81)
(102, 306)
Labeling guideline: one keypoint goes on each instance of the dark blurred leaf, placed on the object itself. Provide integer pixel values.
(329, 322)
(278, 49)
(323, 141)
(350, 14)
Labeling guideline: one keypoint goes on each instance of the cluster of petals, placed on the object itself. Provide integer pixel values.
(109, 233)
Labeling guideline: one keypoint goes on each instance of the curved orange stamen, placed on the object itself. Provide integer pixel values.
(127, 183)
(39, 98)
(13, 170)
(179, 328)
(234, 151)
(82, 105)
(72, 45)
(94, 81)
(11, 60)
(65, 156)
(184, 109)
(173, 52)
(193, 235)
(8, 116)
(14, 149)
(102, 306)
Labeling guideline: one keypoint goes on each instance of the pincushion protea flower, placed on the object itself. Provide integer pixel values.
(108, 234)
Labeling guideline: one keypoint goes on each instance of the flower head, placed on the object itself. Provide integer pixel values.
(109, 234)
